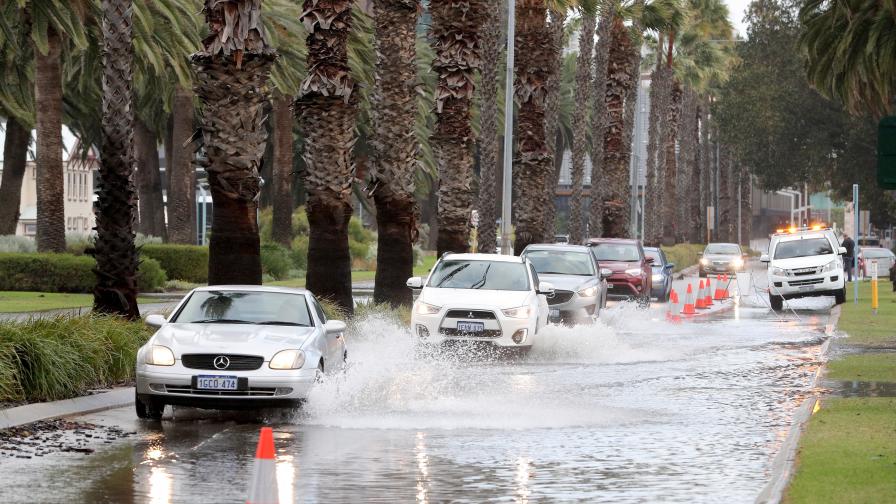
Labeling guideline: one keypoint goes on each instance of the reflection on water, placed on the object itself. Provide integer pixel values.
(159, 485)
(523, 468)
(422, 468)
(286, 476)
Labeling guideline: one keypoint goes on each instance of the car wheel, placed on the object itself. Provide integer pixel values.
(644, 301)
(840, 296)
(149, 410)
(777, 302)
(702, 274)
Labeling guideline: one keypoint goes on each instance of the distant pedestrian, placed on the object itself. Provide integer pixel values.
(893, 276)
(849, 258)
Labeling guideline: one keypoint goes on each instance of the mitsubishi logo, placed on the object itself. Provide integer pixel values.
(221, 362)
(470, 315)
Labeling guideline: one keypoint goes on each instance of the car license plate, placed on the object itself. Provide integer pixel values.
(610, 286)
(211, 382)
(555, 314)
(806, 287)
(470, 327)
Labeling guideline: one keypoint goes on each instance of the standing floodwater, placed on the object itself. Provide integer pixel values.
(633, 409)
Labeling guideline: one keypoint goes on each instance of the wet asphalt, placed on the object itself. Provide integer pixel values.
(631, 409)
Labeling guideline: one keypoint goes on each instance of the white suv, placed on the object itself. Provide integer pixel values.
(805, 263)
(480, 297)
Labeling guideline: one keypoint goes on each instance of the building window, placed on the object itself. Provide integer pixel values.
(30, 229)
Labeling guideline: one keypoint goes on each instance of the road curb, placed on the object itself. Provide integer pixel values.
(29, 413)
(785, 461)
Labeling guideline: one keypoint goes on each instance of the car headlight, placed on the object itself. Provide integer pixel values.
(779, 272)
(159, 355)
(633, 272)
(518, 312)
(288, 359)
(657, 277)
(427, 309)
(704, 261)
(831, 266)
(588, 291)
(737, 262)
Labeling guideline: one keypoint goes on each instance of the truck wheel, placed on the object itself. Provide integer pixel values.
(840, 296)
(777, 302)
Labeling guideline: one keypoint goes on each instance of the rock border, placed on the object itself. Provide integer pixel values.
(29, 413)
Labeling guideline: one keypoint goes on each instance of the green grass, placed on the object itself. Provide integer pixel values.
(683, 254)
(17, 302)
(362, 276)
(56, 358)
(864, 367)
(863, 327)
(847, 454)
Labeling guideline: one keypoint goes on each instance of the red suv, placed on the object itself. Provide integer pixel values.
(632, 274)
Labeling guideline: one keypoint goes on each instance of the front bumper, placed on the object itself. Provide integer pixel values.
(573, 308)
(825, 284)
(720, 268)
(439, 328)
(625, 286)
(260, 388)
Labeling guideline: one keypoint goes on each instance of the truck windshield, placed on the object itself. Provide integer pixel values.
(803, 248)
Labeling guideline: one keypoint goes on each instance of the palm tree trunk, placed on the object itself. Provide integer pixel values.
(456, 29)
(599, 126)
(116, 255)
(181, 174)
(394, 162)
(533, 166)
(724, 234)
(48, 124)
(488, 135)
(691, 136)
(705, 171)
(580, 128)
(327, 115)
(149, 182)
(552, 116)
(616, 171)
(671, 202)
(15, 155)
(746, 209)
(232, 74)
(281, 227)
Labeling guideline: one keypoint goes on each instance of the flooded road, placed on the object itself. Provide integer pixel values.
(633, 409)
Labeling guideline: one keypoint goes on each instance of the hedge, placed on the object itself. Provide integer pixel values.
(180, 262)
(46, 359)
(65, 273)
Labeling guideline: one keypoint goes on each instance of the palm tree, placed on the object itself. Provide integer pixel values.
(115, 253)
(148, 179)
(579, 120)
(327, 111)
(848, 47)
(394, 163)
(455, 32)
(599, 122)
(180, 171)
(533, 165)
(232, 73)
(556, 40)
(492, 43)
(15, 150)
(282, 119)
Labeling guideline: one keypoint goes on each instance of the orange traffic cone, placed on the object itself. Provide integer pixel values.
(725, 288)
(719, 294)
(707, 300)
(674, 307)
(700, 303)
(689, 302)
(263, 485)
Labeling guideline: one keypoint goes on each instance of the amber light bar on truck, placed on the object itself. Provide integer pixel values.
(793, 229)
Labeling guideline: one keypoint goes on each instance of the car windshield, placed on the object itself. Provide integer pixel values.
(624, 252)
(557, 262)
(482, 275)
(657, 257)
(232, 307)
(803, 248)
(722, 249)
(877, 253)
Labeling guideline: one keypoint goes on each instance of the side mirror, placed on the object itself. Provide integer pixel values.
(670, 266)
(606, 273)
(650, 260)
(334, 326)
(546, 288)
(842, 251)
(155, 320)
(415, 283)
(764, 258)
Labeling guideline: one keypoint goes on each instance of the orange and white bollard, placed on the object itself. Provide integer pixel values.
(707, 300)
(689, 302)
(674, 310)
(700, 303)
(263, 485)
(718, 295)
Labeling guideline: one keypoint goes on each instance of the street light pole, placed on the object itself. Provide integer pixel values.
(855, 255)
(507, 186)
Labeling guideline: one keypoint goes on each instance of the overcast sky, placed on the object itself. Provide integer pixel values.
(736, 10)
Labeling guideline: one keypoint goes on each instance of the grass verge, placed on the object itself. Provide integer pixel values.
(847, 454)
(362, 276)
(19, 302)
(683, 254)
(864, 328)
(864, 367)
(56, 358)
